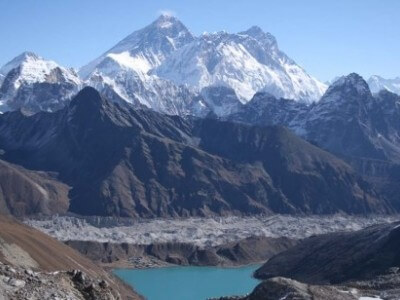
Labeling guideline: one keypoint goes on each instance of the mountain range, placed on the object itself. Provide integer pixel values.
(348, 120)
(119, 161)
(165, 67)
(167, 124)
(168, 69)
(197, 118)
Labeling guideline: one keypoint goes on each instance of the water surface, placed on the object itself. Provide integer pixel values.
(190, 283)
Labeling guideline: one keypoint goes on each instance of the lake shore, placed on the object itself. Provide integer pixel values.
(188, 282)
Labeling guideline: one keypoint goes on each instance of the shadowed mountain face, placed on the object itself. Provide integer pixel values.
(354, 265)
(339, 257)
(140, 163)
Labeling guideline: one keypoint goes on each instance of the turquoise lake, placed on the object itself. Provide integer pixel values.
(190, 283)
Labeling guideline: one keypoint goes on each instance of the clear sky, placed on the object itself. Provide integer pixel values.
(326, 37)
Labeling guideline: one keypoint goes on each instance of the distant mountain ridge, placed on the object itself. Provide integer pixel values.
(348, 120)
(378, 83)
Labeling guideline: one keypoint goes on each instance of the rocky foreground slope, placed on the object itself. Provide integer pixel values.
(36, 266)
(139, 163)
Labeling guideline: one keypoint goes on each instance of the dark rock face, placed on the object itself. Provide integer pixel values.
(294, 166)
(126, 162)
(343, 265)
(339, 257)
(246, 251)
(350, 121)
(265, 109)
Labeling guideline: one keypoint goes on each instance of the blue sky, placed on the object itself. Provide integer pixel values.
(326, 37)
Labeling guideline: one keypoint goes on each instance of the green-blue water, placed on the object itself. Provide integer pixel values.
(190, 283)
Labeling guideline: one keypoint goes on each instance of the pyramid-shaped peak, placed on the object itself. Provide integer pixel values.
(352, 83)
(260, 35)
(254, 30)
(18, 60)
(27, 55)
(351, 79)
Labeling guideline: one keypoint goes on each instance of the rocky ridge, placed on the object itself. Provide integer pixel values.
(139, 163)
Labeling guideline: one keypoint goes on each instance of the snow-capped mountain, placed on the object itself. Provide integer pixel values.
(247, 62)
(164, 67)
(33, 83)
(377, 83)
(123, 70)
(146, 48)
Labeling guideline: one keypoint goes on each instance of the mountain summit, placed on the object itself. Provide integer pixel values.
(33, 83)
(146, 48)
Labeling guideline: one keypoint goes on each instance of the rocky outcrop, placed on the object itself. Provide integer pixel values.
(20, 283)
(346, 265)
(339, 257)
(288, 289)
(381, 288)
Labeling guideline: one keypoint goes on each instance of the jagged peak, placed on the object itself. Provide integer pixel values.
(254, 30)
(350, 85)
(353, 79)
(18, 60)
(257, 33)
(166, 19)
(28, 54)
(167, 22)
